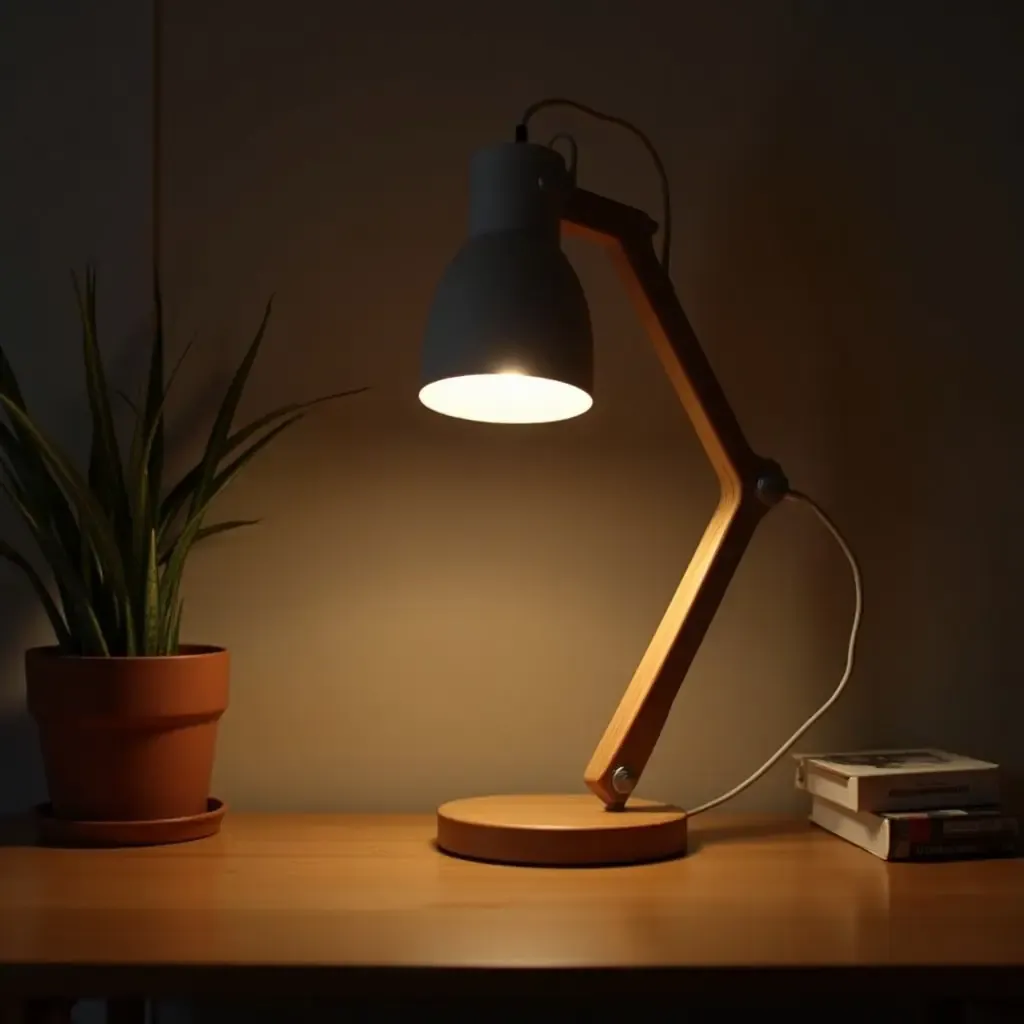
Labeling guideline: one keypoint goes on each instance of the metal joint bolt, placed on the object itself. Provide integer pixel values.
(623, 780)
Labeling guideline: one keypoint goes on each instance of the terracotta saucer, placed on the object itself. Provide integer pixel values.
(62, 832)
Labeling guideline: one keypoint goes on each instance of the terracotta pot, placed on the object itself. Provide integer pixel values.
(128, 739)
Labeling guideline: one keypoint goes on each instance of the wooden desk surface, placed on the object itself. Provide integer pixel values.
(322, 903)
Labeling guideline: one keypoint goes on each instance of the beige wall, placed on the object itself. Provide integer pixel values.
(433, 608)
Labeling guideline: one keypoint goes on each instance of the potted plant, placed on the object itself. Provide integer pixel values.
(127, 714)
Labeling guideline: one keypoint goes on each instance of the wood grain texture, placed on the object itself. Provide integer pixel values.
(326, 903)
(638, 721)
(560, 830)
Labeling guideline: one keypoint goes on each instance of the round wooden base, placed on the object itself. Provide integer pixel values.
(560, 831)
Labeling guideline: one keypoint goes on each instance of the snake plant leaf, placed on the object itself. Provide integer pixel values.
(105, 471)
(79, 617)
(233, 468)
(145, 440)
(174, 632)
(30, 469)
(137, 482)
(9, 380)
(219, 432)
(224, 527)
(151, 609)
(129, 401)
(171, 579)
(60, 628)
(91, 517)
(179, 495)
(156, 396)
(29, 510)
(145, 467)
(70, 481)
(190, 531)
(210, 531)
(243, 435)
(88, 614)
(147, 459)
(45, 509)
(170, 604)
(38, 492)
(112, 539)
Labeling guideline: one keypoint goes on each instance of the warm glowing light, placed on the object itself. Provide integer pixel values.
(505, 398)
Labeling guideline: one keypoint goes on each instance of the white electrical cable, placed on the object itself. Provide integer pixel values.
(858, 609)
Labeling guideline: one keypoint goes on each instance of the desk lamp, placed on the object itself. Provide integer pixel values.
(508, 340)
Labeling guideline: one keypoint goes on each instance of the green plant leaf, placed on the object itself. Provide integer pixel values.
(105, 469)
(60, 628)
(211, 531)
(9, 381)
(183, 543)
(155, 397)
(233, 468)
(224, 527)
(43, 506)
(92, 518)
(151, 610)
(105, 532)
(145, 460)
(79, 615)
(190, 531)
(174, 633)
(219, 432)
(164, 606)
(182, 491)
(243, 435)
(171, 580)
(31, 469)
(106, 482)
(129, 402)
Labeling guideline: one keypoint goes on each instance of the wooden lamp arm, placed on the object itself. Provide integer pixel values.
(750, 485)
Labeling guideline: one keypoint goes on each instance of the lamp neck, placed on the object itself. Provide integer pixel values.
(517, 186)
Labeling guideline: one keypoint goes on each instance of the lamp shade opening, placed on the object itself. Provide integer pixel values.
(505, 398)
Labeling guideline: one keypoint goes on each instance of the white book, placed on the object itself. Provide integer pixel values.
(924, 835)
(898, 780)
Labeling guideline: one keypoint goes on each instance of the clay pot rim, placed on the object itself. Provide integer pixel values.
(188, 652)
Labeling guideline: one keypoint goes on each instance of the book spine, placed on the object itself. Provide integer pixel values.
(936, 838)
(981, 828)
(957, 848)
(920, 794)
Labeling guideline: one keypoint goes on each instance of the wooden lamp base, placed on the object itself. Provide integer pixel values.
(560, 831)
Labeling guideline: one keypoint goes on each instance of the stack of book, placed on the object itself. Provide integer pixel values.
(920, 804)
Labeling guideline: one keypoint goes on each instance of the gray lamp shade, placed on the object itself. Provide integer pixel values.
(508, 338)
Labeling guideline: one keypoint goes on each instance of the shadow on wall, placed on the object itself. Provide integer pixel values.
(882, 259)
(75, 188)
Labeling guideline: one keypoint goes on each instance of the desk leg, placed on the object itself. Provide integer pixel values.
(126, 1011)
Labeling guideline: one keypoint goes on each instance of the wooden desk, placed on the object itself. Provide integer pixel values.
(331, 905)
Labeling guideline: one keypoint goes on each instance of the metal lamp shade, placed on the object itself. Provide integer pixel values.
(508, 338)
